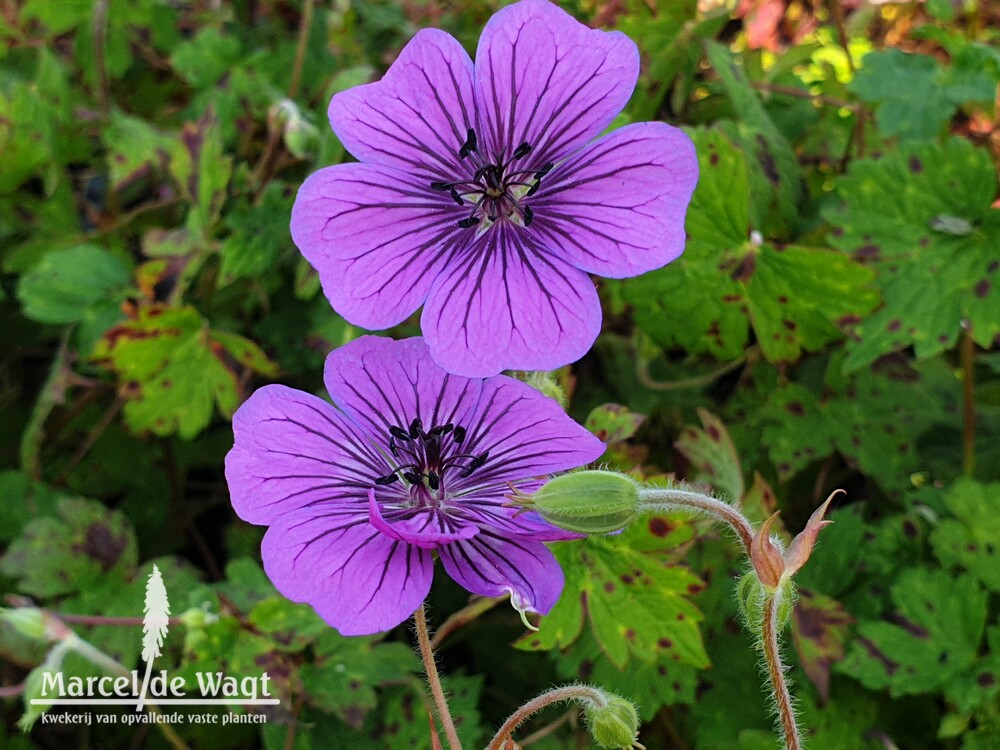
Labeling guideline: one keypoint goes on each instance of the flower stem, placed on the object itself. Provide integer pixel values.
(776, 672)
(430, 670)
(582, 693)
(660, 499)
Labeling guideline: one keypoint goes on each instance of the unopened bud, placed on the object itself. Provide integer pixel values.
(588, 502)
(28, 621)
(613, 725)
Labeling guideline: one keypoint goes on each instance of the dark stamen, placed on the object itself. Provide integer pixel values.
(399, 433)
(476, 463)
(470, 144)
(459, 434)
(433, 480)
(415, 428)
(528, 215)
(442, 430)
(544, 171)
(392, 447)
(470, 222)
(534, 188)
(456, 197)
(523, 150)
(413, 477)
(441, 186)
(387, 479)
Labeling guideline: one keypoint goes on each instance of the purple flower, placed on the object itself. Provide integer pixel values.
(415, 461)
(481, 196)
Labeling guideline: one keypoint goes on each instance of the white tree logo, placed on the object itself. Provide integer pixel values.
(155, 621)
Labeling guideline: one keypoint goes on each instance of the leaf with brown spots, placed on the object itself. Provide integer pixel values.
(932, 278)
(173, 369)
(712, 455)
(931, 642)
(632, 592)
(971, 539)
(819, 628)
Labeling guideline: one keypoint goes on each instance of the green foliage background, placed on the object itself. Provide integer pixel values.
(834, 322)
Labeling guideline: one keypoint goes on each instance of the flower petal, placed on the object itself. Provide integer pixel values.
(546, 79)
(293, 451)
(418, 116)
(492, 565)
(526, 433)
(424, 527)
(616, 208)
(378, 238)
(508, 303)
(356, 578)
(382, 383)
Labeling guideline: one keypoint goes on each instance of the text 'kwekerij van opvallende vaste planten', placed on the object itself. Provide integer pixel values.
(578, 308)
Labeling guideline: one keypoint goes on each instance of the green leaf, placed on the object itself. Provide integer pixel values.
(75, 551)
(69, 285)
(133, 144)
(259, 236)
(819, 629)
(796, 298)
(202, 169)
(971, 539)
(712, 455)
(26, 131)
(635, 600)
(868, 417)
(24, 500)
(931, 640)
(172, 369)
(931, 279)
(207, 57)
(775, 173)
(920, 108)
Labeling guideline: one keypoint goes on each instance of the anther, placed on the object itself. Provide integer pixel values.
(413, 477)
(441, 186)
(528, 215)
(399, 433)
(523, 150)
(415, 428)
(387, 479)
(433, 480)
(470, 144)
(469, 222)
(392, 447)
(534, 188)
(456, 197)
(459, 434)
(544, 171)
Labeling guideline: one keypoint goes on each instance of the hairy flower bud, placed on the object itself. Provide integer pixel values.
(613, 725)
(589, 502)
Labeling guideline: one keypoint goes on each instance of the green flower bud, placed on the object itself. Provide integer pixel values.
(590, 502)
(613, 725)
(28, 621)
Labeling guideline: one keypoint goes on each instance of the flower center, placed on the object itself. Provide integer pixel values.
(497, 188)
(427, 456)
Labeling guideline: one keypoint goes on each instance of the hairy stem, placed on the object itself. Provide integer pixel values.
(657, 499)
(776, 673)
(582, 693)
(430, 670)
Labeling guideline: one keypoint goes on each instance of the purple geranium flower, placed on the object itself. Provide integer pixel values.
(481, 196)
(415, 461)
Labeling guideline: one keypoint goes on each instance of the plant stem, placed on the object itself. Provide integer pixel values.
(305, 22)
(648, 381)
(583, 693)
(657, 499)
(776, 673)
(467, 614)
(430, 670)
(968, 355)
